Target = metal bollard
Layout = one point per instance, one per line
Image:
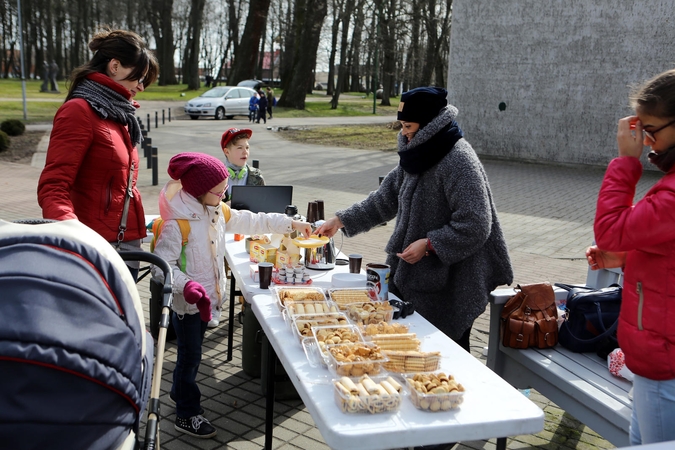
(162, 117)
(143, 146)
(156, 120)
(148, 122)
(255, 163)
(155, 165)
(169, 114)
(140, 124)
(147, 154)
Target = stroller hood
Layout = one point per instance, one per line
(73, 348)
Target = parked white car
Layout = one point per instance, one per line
(220, 102)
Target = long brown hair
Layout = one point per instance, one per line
(656, 96)
(125, 46)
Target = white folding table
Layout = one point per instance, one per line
(491, 409)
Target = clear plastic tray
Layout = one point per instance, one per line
(355, 360)
(309, 307)
(412, 361)
(384, 328)
(381, 400)
(434, 399)
(345, 296)
(282, 294)
(398, 341)
(369, 312)
(302, 324)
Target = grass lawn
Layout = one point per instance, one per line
(368, 137)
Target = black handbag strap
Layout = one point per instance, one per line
(608, 332)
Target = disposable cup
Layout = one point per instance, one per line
(355, 263)
(265, 272)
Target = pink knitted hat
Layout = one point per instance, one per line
(197, 172)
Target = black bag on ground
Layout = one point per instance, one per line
(156, 311)
(592, 319)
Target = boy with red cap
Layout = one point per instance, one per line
(236, 150)
(195, 193)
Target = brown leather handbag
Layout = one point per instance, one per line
(529, 318)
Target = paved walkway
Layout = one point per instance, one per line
(546, 212)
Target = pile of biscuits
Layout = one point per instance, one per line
(309, 307)
(370, 312)
(367, 395)
(355, 360)
(435, 391)
(336, 335)
(304, 323)
(344, 297)
(392, 342)
(300, 294)
(410, 361)
(384, 328)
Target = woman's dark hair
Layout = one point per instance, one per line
(655, 97)
(125, 46)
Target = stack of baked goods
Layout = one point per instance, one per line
(382, 394)
(411, 361)
(355, 360)
(434, 391)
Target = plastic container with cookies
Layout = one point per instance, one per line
(384, 328)
(355, 360)
(345, 296)
(434, 391)
(411, 361)
(283, 294)
(378, 394)
(310, 307)
(338, 334)
(302, 324)
(369, 312)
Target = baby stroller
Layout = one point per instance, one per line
(75, 358)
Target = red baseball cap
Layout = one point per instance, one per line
(231, 133)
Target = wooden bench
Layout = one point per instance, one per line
(580, 383)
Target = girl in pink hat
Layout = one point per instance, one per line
(194, 194)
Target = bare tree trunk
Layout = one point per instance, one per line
(388, 33)
(311, 21)
(159, 14)
(355, 50)
(292, 31)
(412, 70)
(342, 70)
(335, 28)
(246, 55)
(191, 64)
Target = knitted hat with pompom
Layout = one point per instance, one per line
(197, 172)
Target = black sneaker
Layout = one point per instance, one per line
(196, 426)
(201, 410)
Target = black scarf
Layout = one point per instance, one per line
(663, 160)
(110, 104)
(430, 152)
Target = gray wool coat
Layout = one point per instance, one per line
(451, 204)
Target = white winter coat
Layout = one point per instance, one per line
(205, 249)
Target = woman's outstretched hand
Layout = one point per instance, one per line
(329, 227)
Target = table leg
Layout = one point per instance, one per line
(269, 401)
(230, 326)
(501, 443)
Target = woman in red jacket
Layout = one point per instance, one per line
(92, 157)
(640, 238)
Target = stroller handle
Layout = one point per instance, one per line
(152, 259)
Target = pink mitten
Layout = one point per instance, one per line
(204, 306)
(193, 292)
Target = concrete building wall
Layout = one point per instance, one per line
(562, 71)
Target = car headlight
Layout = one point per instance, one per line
(206, 105)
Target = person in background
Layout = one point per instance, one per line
(253, 107)
(270, 100)
(195, 193)
(262, 107)
(447, 251)
(92, 157)
(640, 238)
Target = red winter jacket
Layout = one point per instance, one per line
(646, 231)
(87, 170)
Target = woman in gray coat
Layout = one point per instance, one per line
(447, 251)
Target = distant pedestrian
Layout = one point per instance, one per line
(53, 73)
(270, 100)
(45, 77)
(253, 108)
(262, 107)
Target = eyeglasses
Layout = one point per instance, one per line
(219, 194)
(651, 134)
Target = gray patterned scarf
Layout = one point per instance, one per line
(109, 104)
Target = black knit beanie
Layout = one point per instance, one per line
(421, 105)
